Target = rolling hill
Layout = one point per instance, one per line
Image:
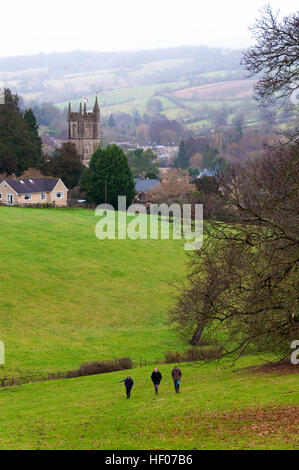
(68, 297)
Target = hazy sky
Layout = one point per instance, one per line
(31, 26)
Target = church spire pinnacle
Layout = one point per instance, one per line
(69, 110)
(96, 108)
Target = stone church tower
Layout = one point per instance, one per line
(84, 130)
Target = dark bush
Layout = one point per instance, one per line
(203, 354)
(172, 357)
(101, 367)
(194, 354)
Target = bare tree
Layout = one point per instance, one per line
(244, 281)
(275, 55)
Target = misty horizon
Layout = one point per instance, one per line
(133, 26)
(121, 51)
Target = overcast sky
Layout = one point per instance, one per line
(31, 26)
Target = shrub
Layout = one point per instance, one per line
(194, 354)
(173, 356)
(203, 354)
(101, 367)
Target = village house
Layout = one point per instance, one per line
(143, 188)
(33, 191)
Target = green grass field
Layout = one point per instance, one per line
(216, 409)
(120, 96)
(67, 297)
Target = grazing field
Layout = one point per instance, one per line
(67, 297)
(216, 409)
(136, 97)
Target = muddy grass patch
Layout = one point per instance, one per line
(267, 427)
(253, 424)
(280, 368)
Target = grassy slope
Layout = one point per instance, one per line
(217, 408)
(67, 297)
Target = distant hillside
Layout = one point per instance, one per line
(191, 83)
(76, 61)
(58, 77)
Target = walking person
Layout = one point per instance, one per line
(176, 376)
(128, 384)
(156, 379)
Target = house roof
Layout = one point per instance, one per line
(32, 185)
(142, 184)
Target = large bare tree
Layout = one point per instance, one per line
(244, 281)
(275, 56)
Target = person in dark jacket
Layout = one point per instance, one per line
(156, 379)
(128, 384)
(176, 377)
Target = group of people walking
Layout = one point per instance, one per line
(156, 377)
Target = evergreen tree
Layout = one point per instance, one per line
(154, 105)
(144, 163)
(65, 164)
(109, 175)
(18, 143)
(212, 160)
(182, 160)
(137, 118)
(34, 136)
(84, 180)
(210, 154)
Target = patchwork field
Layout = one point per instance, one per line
(218, 408)
(67, 297)
(231, 90)
(179, 100)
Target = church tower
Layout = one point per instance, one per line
(84, 130)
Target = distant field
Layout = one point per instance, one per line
(218, 408)
(129, 95)
(186, 103)
(218, 73)
(213, 103)
(236, 89)
(114, 78)
(67, 297)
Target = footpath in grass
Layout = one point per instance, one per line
(216, 409)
